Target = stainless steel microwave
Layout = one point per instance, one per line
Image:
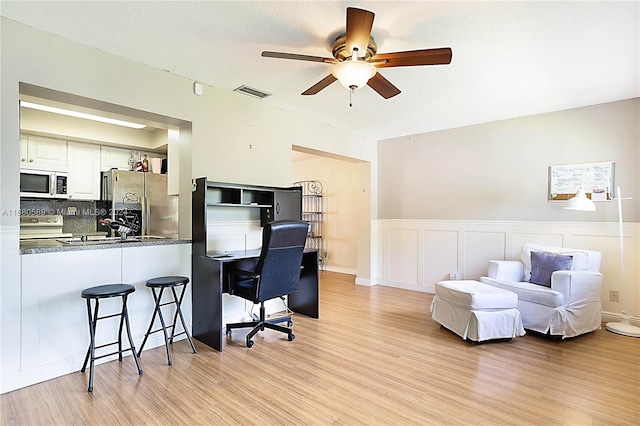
(43, 184)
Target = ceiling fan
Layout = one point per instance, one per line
(355, 58)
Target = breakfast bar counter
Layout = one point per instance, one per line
(57, 245)
(51, 319)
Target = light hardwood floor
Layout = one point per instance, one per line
(374, 357)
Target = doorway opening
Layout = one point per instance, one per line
(346, 200)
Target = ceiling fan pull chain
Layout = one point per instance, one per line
(350, 95)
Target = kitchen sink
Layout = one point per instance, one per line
(89, 240)
(92, 239)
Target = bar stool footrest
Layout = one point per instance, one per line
(114, 353)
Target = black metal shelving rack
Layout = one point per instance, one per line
(313, 212)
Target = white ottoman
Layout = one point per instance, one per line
(477, 311)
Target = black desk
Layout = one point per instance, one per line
(209, 277)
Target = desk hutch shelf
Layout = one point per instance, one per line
(210, 272)
(275, 203)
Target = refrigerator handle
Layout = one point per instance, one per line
(145, 216)
(104, 187)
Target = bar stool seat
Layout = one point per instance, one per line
(104, 292)
(162, 283)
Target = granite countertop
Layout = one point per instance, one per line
(53, 246)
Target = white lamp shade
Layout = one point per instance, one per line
(581, 202)
(353, 74)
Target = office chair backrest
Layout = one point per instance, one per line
(280, 259)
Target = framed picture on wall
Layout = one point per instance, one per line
(597, 180)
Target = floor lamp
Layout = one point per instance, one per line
(581, 202)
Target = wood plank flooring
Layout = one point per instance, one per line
(374, 357)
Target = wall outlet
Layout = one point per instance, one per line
(614, 296)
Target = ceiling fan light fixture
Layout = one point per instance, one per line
(355, 70)
(353, 74)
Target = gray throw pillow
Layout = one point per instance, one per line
(544, 264)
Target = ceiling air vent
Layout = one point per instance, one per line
(250, 91)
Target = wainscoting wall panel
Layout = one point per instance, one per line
(440, 255)
(479, 248)
(535, 238)
(402, 256)
(416, 254)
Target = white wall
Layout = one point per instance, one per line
(232, 138)
(498, 171)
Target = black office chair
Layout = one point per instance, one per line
(276, 274)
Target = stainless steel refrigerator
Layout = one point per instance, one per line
(139, 197)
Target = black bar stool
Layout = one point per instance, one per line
(162, 283)
(103, 292)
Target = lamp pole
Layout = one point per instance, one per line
(622, 327)
(581, 202)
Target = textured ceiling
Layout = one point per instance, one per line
(510, 59)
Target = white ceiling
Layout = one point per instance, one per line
(510, 59)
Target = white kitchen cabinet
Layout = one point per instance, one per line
(84, 171)
(114, 158)
(41, 153)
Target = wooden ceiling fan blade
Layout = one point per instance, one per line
(320, 85)
(359, 24)
(383, 86)
(280, 55)
(441, 56)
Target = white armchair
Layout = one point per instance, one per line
(570, 306)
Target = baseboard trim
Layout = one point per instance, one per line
(615, 317)
(340, 270)
(364, 282)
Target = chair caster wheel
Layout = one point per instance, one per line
(229, 332)
(291, 336)
(249, 343)
(289, 323)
